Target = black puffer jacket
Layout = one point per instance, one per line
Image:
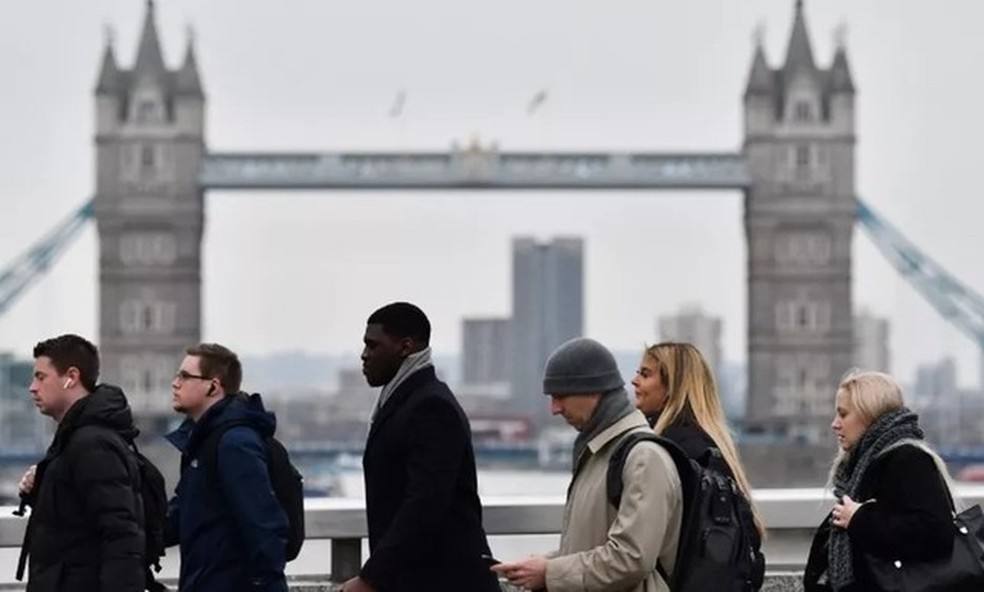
(85, 533)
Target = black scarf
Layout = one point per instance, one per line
(613, 406)
(889, 429)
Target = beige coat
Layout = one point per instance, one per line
(604, 550)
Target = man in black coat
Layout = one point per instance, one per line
(422, 504)
(85, 533)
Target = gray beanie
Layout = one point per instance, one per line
(581, 366)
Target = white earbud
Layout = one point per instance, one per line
(68, 383)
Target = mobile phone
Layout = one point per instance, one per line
(490, 560)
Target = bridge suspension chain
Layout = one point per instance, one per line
(954, 301)
(35, 262)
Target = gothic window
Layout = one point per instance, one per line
(148, 158)
(802, 316)
(803, 111)
(803, 248)
(148, 248)
(147, 316)
(803, 156)
(146, 373)
(802, 384)
(147, 111)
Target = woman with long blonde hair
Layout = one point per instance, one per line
(675, 389)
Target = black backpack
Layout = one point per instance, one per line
(154, 495)
(287, 482)
(719, 549)
(150, 485)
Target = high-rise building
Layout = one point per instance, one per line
(548, 309)
(486, 351)
(692, 325)
(871, 342)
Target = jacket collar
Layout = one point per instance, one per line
(633, 420)
(401, 394)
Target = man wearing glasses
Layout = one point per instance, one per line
(231, 529)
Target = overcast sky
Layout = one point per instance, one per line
(300, 271)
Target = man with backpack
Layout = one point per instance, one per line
(603, 547)
(86, 529)
(226, 517)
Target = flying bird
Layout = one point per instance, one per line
(397, 109)
(536, 102)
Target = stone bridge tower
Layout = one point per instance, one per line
(149, 209)
(799, 220)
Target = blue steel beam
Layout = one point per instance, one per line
(954, 301)
(474, 169)
(32, 264)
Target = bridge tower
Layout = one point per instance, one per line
(149, 209)
(799, 220)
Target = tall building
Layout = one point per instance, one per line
(486, 351)
(692, 325)
(548, 309)
(149, 143)
(799, 220)
(871, 342)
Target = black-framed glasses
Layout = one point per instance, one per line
(182, 375)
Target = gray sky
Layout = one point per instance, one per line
(302, 270)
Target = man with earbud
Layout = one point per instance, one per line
(85, 532)
(225, 517)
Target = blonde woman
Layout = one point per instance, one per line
(892, 498)
(675, 389)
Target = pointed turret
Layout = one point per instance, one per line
(187, 81)
(150, 60)
(799, 55)
(840, 73)
(110, 79)
(761, 80)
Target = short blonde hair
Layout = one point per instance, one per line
(871, 394)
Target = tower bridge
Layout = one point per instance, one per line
(795, 169)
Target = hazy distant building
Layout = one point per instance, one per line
(871, 342)
(21, 426)
(485, 345)
(548, 309)
(937, 381)
(692, 325)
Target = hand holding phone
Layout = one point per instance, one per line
(490, 560)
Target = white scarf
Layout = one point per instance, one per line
(411, 364)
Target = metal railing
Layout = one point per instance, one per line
(791, 515)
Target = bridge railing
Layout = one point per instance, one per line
(791, 515)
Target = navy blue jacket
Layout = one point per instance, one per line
(230, 527)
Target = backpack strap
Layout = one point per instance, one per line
(209, 456)
(687, 470)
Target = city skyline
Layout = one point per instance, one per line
(628, 236)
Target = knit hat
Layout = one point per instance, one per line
(581, 366)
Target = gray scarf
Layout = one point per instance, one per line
(613, 406)
(410, 365)
(887, 430)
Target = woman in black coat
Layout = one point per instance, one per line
(893, 502)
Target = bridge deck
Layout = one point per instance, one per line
(471, 169)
